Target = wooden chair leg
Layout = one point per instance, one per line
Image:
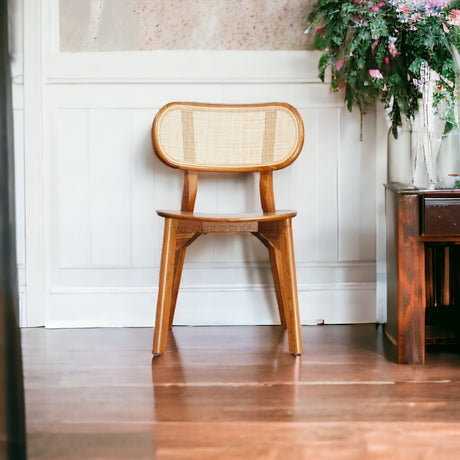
(277, 278)
(178, 265)
(165, 286)
(289, 289)
(270, 242)
(280, 244)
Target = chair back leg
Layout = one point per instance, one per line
(178, 265)
(275, 264)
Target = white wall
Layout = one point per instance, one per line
(92, 239)
(18, 114)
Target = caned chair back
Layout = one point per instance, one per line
(234, 138)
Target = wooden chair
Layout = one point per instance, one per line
(228, 138)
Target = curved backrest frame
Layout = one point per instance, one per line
(175, 133)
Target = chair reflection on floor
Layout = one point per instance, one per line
(240, 384)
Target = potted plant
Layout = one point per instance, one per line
(377, 50)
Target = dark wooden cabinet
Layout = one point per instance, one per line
(423, 265)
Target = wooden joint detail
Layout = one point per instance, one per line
(183, 241)
(267, 196)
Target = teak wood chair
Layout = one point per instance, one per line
(199, 138)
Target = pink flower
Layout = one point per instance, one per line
(375, 73)
(387, 60)
(320, 30)
(392, 49)
(404, 9)
(454, 18)
(339, 63)
(380, 4)
(445, 28)
(375, 8)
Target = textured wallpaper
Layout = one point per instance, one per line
(119, 25)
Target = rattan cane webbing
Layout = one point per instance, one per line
(247, 136)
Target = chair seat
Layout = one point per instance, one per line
(230, 218)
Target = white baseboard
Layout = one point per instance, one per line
(135, 307)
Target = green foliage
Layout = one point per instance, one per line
(375, 48)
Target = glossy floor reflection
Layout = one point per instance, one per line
(234, 393)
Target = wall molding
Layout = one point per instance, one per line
(304, 287)
(261, 265)
(76, 306)
(32, 311)
(381, 179)
(173, 67)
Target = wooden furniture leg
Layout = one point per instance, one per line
(178, 265)
(183, 240)
(289, 289)
(405, 278)
(280, 244)
(165, 287)
(411, 273)
(277, 282)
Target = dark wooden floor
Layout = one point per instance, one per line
(235, 393)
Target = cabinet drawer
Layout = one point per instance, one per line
(441, 216)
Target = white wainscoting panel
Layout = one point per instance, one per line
(103, 238)
(88, 184)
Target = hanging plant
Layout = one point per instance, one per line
(375, 50)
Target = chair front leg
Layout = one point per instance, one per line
(289, 289)
(278, 239)
(165, 287)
